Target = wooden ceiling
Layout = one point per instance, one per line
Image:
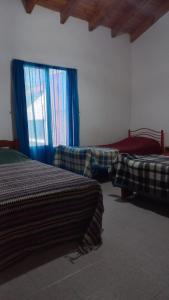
(121, 16)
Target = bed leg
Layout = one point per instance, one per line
(125, 193)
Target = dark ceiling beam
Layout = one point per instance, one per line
(147, 22)
(141, 28)
(102, 12)
(118, 20)
(113, 33)
(29, 5)
(98, 18)
(122, 10)
(128, 14)
(67, 10)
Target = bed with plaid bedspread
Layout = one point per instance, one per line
(41, 205)
(144, 174)
(85, 160)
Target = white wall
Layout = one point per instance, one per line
(103, 66)
(150, 78)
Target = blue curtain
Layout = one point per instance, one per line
(46, 108)
(73, 107)
(19, 105)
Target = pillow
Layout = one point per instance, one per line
(8, 156)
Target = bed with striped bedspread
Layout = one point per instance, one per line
(41, 205)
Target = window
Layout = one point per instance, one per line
(46, 105)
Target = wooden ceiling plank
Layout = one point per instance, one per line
(67, 10)
(148, 22)
(128, 15)
(100, 15)
(118, 20)
(141, 29)
(29, 5)
(121, 16)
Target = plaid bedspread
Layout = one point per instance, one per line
(86, 160)
(146, 174)
(41, 205)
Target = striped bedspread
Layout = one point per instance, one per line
(41, 205)
(85, 160)
(147, 174)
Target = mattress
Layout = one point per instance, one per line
(41, 205)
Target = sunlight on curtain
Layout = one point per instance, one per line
(46, 106)
(57, 79)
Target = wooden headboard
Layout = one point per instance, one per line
(150, 133)
(9, 144)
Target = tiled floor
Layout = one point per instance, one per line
(132, 264)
